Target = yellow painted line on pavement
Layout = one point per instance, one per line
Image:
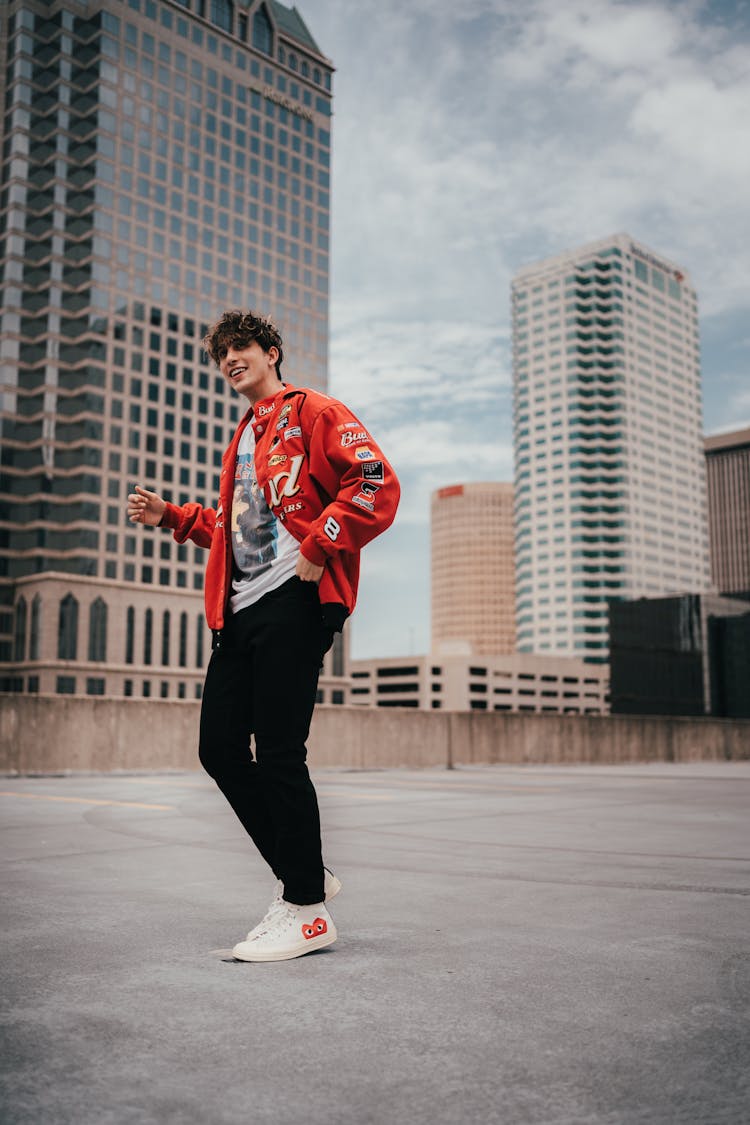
(86, 801)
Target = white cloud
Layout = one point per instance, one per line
(697, 121)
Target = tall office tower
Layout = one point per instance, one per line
(610, 488)
(162, 161)
(473, 598)
(728, 468)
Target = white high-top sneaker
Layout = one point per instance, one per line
(292, 932)
(331, 887)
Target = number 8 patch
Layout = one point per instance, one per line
(332, 528)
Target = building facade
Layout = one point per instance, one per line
(472, 569)
(610, 488)
(520, 682)
(162, 161)
(728, 470)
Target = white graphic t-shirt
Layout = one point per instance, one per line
(265, 554)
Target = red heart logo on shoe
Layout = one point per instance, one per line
(314, 929)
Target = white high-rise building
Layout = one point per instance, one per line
(610, 489)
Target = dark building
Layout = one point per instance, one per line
(728, 475)
(687, 655)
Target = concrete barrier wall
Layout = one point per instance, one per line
(48, 734)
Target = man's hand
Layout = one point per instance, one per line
(307, 571)
(145, 507)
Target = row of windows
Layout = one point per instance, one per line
(201, 178)
(276, 253)
(560, 681)
(97, 685)
(27, 634)
(298, 232)
(202, 105)
(482, 705)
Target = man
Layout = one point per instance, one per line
(303, 487)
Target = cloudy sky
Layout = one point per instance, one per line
(471, 138)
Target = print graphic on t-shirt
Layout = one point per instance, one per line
(254, 528)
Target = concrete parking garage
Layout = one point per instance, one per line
(517, 945)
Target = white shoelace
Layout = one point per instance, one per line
(277, 905)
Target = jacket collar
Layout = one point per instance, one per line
(265, 408)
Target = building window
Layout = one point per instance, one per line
(66, 685)
(129, 635)
(262, 31)
(337, 696)
(222, 14)
(98, 633)
(406, 670)
(165, 625)
(36, 618)
(183, 640)
(148, 636)
(94, 686)
(19, 630)
(67, 630)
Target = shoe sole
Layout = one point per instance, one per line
(249, 954)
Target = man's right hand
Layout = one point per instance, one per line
(145, 507)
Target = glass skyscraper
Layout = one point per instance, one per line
(610, 485)
(162, 161)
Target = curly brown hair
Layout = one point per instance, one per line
(238, 329)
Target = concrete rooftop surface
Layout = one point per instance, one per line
(516, 945)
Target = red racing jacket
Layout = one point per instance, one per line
(323, 477)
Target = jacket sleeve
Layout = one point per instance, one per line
(190, 521)
(362, 489)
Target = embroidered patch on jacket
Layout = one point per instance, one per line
(373, 471)
(354, 437)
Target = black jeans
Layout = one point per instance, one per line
(262, 680)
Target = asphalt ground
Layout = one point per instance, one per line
(516, 945)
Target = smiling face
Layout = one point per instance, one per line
(250, 371)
